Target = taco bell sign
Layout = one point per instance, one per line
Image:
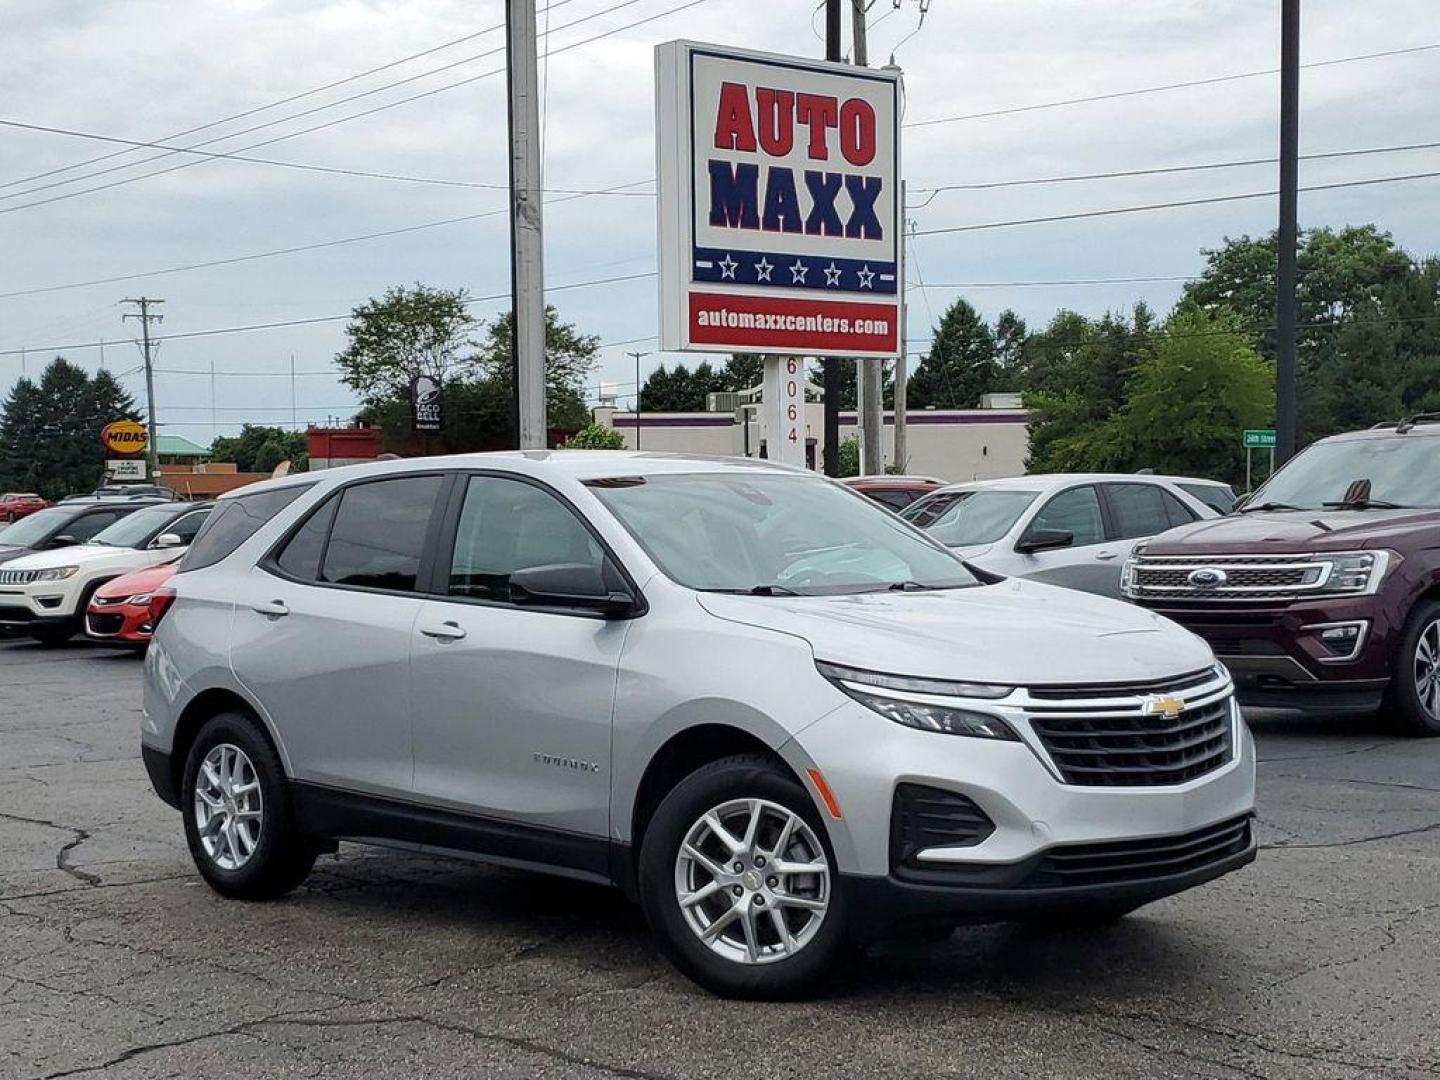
(779, 204)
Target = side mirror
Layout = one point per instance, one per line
(570, 585)
(1240, 503)
(1044, 540)
(168, 540)
(63, 540)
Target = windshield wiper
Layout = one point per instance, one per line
(910, 586)
(757, 590)
(1269, 506)
(1365, 504)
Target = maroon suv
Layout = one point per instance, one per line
(1323, 591)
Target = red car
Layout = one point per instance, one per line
(15, 505)
(120, 610)
(895, 492)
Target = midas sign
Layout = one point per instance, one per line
(125, 437)
(779, 204)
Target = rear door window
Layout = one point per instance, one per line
(378, 538)
(301, 555)
(234, 521)
(1217, 496)
(87, 525)
(1137, 509)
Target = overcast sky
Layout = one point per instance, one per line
(147, 69)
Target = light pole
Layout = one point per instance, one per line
(637, 356)
(1286, 412)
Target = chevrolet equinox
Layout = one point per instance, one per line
(768, 709)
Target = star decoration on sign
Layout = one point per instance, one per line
(832, 274)
(727, 267)
(798, 272)
(867, 277)
(762, 269)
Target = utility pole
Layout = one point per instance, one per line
(869, 374)
(637, 356)
(294, 424)
(1285, 406)
(901, 451)
(831, 365)
(527, 278)
(146, 317)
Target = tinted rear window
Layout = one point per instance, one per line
(379, 533)
(234, 521)
(1217, 496)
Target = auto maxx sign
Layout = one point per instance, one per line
(779, 204)
(125, 437)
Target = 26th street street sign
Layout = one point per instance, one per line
(1258, 438)
(779, 204)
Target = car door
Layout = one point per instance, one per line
(1089, 562)
(513, 704)
(322, 628)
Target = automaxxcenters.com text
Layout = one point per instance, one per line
(792, 323)
(821, 324)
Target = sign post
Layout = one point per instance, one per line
(1257, 439)
(779, 213)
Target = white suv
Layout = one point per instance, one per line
(45, 594)
(763, 705)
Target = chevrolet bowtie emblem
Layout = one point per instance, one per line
(1168, 707)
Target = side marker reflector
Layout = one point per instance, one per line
(826, 795)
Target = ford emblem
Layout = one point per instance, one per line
(1207, 577)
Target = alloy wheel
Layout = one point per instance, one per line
(752, 881)
(229, 809)
(1427, 669)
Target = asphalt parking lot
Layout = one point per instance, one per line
(1321, 960)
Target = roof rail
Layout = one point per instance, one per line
(1419, 418)
(1386, 424)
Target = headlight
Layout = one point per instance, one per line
(1127, 578)
(1353, 571)
(138, 598)
(926, 704)
(58, 573)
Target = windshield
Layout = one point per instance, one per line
(981, 516)
(35, 529)
(136, 529)
(775, 534)
(1403, 470)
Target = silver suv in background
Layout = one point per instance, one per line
(759, 703)
(1070, 529)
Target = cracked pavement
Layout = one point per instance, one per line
(1321, 960)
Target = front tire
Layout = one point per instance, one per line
(238, 817)
(739, 882)
(1413, 699)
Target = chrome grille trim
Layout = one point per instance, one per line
(17, 577)
(1248, 577)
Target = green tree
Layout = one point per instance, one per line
(961, 363)
(259, 448)
(405, 333)
(570, 357)
(50, 430)
(595, 436)
(849, 391)
(742, 371)
(848, 456)
(1010, 335)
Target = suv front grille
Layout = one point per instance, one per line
(1116, 862)
(1157, 735)
(925, 817)
(17, 577)
(1227, 577)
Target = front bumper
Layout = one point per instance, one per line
(1137, 874)
(865, 758)
(49, 602)
(122, 623)
(1277, 658)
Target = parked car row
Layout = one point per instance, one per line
(15, 505)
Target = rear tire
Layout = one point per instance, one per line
(1413, 699)
(239, 821)
(733, 945)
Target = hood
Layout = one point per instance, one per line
(79, 555)
(1301, 531)
(1017, 633)
(138, 581)
(9, 553)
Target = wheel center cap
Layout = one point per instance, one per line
(751, 880)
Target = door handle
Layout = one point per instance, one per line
(1106, 555)
(273, 608)
(446, 631)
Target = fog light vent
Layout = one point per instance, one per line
(1342, 641)
(926, 817)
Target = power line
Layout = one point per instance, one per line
(1160, 170)
(1051, 283)
(296, 249)
(339, 120)
(281, 101)
(1209, 200)
(1168, 86)
(319, 318)
(305, 166)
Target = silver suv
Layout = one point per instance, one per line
(765, 707)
